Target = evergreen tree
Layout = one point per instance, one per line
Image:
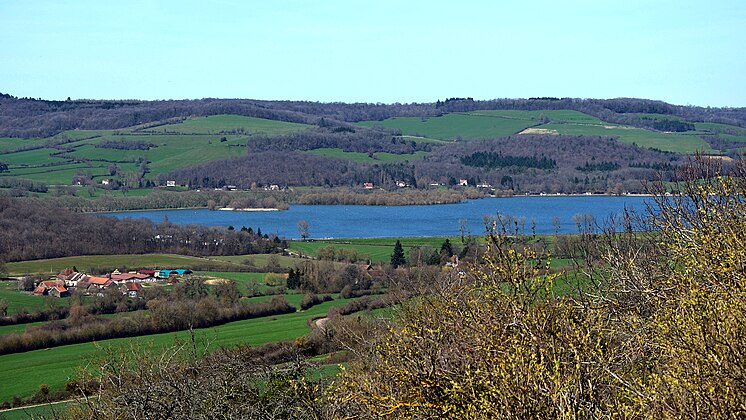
(397, 258)
(447, 248)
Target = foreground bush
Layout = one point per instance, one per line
(662, 335)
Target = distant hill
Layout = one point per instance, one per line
(598, 145)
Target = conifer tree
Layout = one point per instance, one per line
(397, 258)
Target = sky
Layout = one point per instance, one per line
(682, 52)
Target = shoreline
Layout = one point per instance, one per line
(260, 209)
(247, 209)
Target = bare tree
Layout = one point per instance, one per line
(303, 228)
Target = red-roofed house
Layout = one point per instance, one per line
(132, 290)
(99, 283)
(50, 287)
(59, 291)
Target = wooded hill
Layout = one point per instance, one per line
(586, 145)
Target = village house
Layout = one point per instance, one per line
(96, 285)
(59, 291)
(368, 185)
(170, 183)
(463, 182)
(44, 287)
(133, 290)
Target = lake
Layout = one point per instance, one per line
(398, 221)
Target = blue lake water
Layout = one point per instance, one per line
(427, 220)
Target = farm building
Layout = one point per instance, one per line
(175, 272)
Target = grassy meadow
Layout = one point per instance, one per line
(219, 124)
(89, 263)
(378, 250)
(24, 372)
(497, 123)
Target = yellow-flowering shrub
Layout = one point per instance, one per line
(661, 336)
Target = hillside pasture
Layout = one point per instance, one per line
(454, 126)
(669, 142)
(111, 262)
(378, 250)
(230, 124)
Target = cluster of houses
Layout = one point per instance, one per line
(130, 283)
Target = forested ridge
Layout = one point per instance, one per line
(539, 153)
(28, 117)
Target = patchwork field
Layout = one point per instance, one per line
(193, 141)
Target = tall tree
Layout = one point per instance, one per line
(303, 229)
(397, 258)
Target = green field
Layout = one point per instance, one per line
(258, 260)
(497, 123)
(110, 262)
(218, 124)
(672, 142)
(365, 158)
(241, 278)
(454, 126)
(31, 157)
(24, 372)
(194, 141)
(379, 250)
(17, 299)
(41, 411)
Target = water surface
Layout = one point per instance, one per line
(426, 220)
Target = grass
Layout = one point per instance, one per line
(365, 158)
(671, 142)
(17, 299)
(379, 250)
(241, 278)
(41, 411)
(217, 124)
(258, 260)
(9, 144)
(24, 372)
(453, 126)
(31, 157)
(496, 123)
(194, 141)
(110, 262)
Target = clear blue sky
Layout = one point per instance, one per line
(683, 52)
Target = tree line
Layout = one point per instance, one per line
(31, 229)
(29, 117)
